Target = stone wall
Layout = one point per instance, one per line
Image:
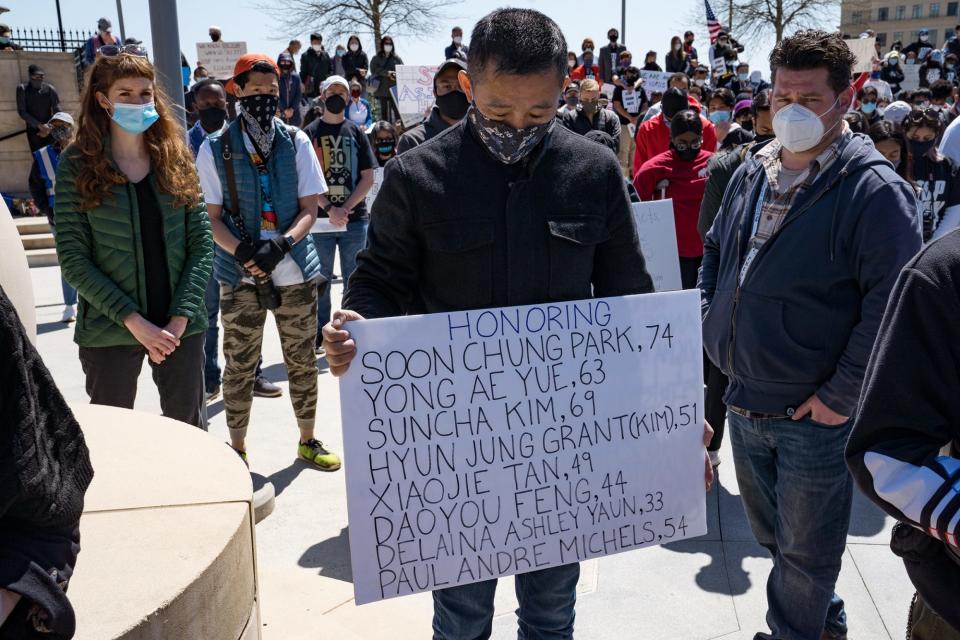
(15, 160)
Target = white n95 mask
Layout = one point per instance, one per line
(798, 128)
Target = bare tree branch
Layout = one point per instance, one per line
(756, 18)
(339, 18)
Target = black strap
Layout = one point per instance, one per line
(234, 210)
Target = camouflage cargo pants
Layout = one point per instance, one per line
(243, 321)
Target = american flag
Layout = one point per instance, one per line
(713, 25)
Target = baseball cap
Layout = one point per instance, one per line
(35, 70)
(335, 80)
(452, 63)
(104, 24)
(63, 116)
(245, 63)
(742, 105)
(896, 112)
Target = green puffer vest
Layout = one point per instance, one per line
(100, 254)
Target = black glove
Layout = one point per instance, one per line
(244, 252)
(270, 252)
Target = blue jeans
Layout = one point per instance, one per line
(546, 600)
(211, 367)
(350, 242)
(797, 493)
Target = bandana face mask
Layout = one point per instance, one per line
(507, 144)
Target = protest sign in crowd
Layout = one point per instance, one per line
(561, 399)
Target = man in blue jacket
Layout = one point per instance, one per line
(797, 268)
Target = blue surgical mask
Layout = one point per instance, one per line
(743, 76)
(135, 118)
(868, 107)
(719, 116)
(874, 75)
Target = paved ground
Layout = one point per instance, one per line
(711, 587)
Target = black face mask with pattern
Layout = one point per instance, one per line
(261, 107)
(507, 144)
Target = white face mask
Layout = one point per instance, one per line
(354, 47)
(457, 39)
(799, 129)
(317, 47)
(387, 48)
(676, 47)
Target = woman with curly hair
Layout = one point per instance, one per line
(133, 237)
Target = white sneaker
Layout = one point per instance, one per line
(714, 457)
(69, 313)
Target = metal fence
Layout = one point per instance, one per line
(55, 40)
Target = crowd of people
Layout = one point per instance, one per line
(802, 206)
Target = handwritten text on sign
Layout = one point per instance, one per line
(493, 442)
(219, 58)
(414, 92)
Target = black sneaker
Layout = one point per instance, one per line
(266, 389)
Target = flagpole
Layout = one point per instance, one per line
(730, 17)
(623, 21)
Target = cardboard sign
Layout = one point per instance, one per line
(911, 77)
(631, 101)
(866, 50)
(219, 58)
(655, 81)
(413, 94)
(658, 241)
(481, 444)
(606, 91)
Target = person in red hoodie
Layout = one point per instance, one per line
(680, 173)
(653, 136)
(588, 69)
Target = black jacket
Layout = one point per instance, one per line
(805, 317)
(454, 229)
(603, 120)
(314, 69)
(37, 106)
(424, 131)
(607, 65)
(721, 169)
(909, 415)
(44, 472)
(353, 61)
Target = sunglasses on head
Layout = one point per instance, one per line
(929, 116)
(111, 50)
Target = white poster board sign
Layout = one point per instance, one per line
(911, 77)
(219, 58)
(866, 50)
(375, 189)
(487, 443)
(655, 81)
(658, 241)
(413, 94)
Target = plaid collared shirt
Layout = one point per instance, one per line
(770, 213)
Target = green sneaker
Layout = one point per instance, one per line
(314, 452)
(242, 454)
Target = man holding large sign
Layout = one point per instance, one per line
(501, 209)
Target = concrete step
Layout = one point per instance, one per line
(42, 257)
(38, 241)
(32, 224)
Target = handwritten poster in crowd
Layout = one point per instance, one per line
(655, 81)
(487, 443)
(413, 94)
(865, 49)
(911, 77)
(219, 58)
(658, 241)
(375, 189)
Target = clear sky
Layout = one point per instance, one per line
(650, 24)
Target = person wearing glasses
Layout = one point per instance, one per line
(935, 175)
(134, 239)
(680, 173)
